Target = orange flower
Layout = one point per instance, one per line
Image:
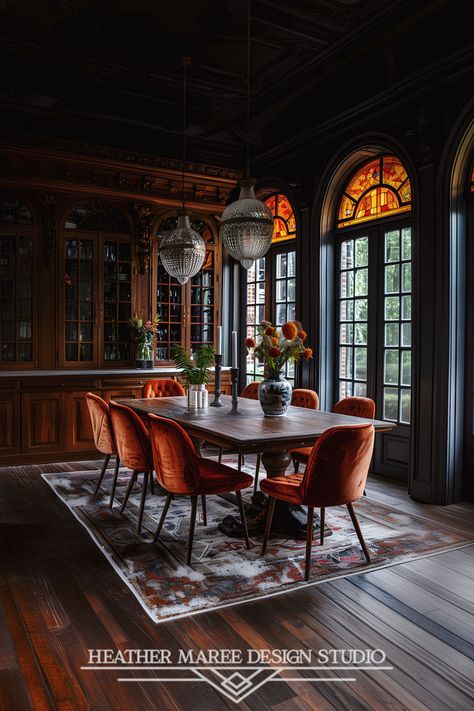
(303, 335)
(274, 352)
(307, 354)
(289, 330)
(275, 341)
(249, 343)
(270, 331)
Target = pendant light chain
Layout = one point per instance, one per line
(247, 165)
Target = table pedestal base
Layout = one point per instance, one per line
(290, 519)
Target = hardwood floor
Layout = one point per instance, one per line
(60, 597)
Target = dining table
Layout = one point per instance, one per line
(247, 430)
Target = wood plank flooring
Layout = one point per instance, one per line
(59, 597)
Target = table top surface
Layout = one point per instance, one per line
(251, 430)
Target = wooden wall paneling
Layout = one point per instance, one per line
(79, 435)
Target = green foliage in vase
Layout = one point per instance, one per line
(196, 369)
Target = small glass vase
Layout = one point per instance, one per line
(144, 356)
(198, 397)
(274, 393)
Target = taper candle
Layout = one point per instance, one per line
(219, 340)
(234, 349)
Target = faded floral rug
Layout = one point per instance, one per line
(224, 572)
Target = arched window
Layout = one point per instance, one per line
(187, 312)
(374, 284)
(271, 282)
(17, 234)
(380, 188)
(96, 268)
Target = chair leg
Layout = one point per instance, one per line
(243, 518)
(268, 523)
(204, 510)
(364, 492)
(221, 450)
(132, 481)
(152, 487)
(358, 531)
(257, 471)
(309, 542)
(240, 462)
(114, 481)
(321, 526)
(142, 500)
(191, 529)
(102, 472)
(162, 517)
(296, 465)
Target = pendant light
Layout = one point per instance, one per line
(182, 251)
(246, 226)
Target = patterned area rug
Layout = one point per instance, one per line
(224, 572)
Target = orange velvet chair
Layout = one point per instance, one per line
(162, 388)
(104, 439)
(300, 397)
(354, 406)
(180, 470)
(335, 475)
(133, 445)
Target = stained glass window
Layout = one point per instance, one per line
(284, 223)
(379, 188)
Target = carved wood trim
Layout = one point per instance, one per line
(145, 218)
(50, 230)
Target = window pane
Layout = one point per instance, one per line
(360, 389)
(280, 314)
(391, 367)
(406, 334)
(260, 268)
(406, 368)
(392, 279)
(406, 277)
(362, 252)
(345, 389)
(347, 310)
(406, 243)
(362, 282)
(392, 246)
(360, 363)
(392, 334)
(347, 254)
(291, 289)
(361, 333)
(406, 308)
(360, 312)
(405, 406)
(345, 362)
(347, 284)
(346, 334)
(281, 290)
(392, 308)
(390, 404)
(281, 262)
(291, 264)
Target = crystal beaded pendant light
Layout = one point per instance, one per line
(182, 251)
(246, 226)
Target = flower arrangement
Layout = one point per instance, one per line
(143, 332)
(275, 348)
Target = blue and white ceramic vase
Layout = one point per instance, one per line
(275, 394)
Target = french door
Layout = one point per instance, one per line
(270, 293)
(373, 353)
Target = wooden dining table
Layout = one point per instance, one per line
(250, 431)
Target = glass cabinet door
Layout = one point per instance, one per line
(169, 299)
(16, 298)
(202, 304)
(117, 273)
(79, 306)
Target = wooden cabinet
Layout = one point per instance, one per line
(9, 419)
(43, 422)
(45, 417)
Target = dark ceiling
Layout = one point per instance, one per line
(108, 72)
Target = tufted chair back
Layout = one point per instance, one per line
(102, 429)
(356, 406)
(250, 391)
(300, 397)
(338, 466)
(174, 457)
(162, 388)
(132, 438)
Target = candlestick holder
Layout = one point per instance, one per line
(217, 382)
(234, 374)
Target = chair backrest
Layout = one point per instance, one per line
(356, 406)
(175, 459)
(301, 397)
(250, 391)
(162, 388)
(102, 429)
(338, 466)
(132, 438)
